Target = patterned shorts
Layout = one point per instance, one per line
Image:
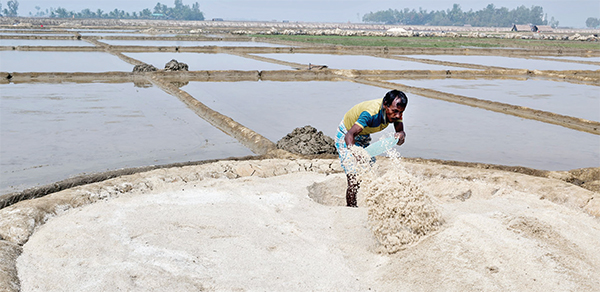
(345, 156)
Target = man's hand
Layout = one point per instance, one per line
(351, 135)
(401, 136)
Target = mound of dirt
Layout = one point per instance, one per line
(307, 141)
(173, 65)
(144, 68)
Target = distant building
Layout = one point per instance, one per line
(521, 27)
(542, 28)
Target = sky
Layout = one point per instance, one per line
(572, 13)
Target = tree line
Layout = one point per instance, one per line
(160, 11)
(592, 22)
(13, 7)
(489, 16)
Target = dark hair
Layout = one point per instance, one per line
(392, 95)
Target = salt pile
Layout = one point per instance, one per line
(399, 211)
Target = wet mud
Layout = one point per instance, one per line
(307, 141)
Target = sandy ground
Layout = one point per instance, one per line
(254, 232)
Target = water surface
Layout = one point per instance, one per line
(29, 61)
(188, 43)
(136, 34)
(102, 30)
(435, 129)
(507, 62)
(589, 59)
(36, 34)
(49, 132)
(203, 61)
(581, 101)
(44, 43)
(356, 62)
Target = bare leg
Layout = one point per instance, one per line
(352, 190)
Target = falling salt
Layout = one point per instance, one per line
(399, 211)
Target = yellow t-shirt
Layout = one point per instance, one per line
(369, 115)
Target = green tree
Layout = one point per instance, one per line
(179, 12)
(86, 13)
(488, 16)
(62, 13)
(456, 16)
(388, 16)
(592, 22)
(160, 8)
(553, 23)
(13, 7)
(178, 4)
(146, 13)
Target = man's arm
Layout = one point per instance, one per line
(400, 134)
(352, 133)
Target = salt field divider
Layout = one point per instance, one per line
(254, 141)
(331, 50)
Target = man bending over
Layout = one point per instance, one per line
(357, 126)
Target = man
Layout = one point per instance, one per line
(362, 120)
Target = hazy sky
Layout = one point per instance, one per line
(571, 13)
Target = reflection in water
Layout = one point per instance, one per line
(142, 83)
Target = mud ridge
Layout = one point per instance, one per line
(254, 141)
(577, 77)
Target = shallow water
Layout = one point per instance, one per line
(507, 62)
(41, 43)
(356, 62)
(137, 34)
(26, 61)
(24, 29)
(435, 129)
(49, 132)
(101, 30)
(188, 43)
(438, 129)
(581, 101)
(589, 59)
(203, 61)
(37, 34)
